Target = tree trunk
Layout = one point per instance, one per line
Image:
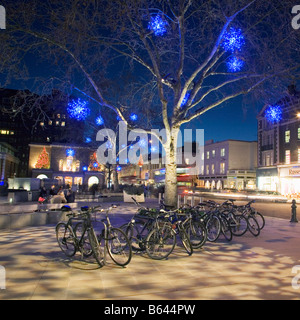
(171, 170)
(115, 179)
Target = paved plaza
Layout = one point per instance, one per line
(245, 268)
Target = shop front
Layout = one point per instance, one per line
(289, 178)
(268, 179)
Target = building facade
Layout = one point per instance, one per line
(229, 164)
(53, 124)
(8, 162)
(279, 145)
(76, 166)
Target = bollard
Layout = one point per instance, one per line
(294, 213)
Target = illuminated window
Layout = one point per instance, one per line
(77, 166)
(222, 152)
(57, 123)
(222, 167)
(299, 133)
(202, 169)
(207, 155)
(207, 169)
(287, 136)
(298, 155)
(12, 132)
(42, 124)
(287, 156)
(61, 165)
(50, 122)
(58, 116)
(213, 153)
(212, 169)
(78, 181)
(63, 124)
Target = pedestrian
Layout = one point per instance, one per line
(70, 196)
(42, 195)
(52, 191)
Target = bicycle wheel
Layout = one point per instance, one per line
(136, 234)
(197, 233)
(82, 236)
(253, 226)
(213, 227)
(65, 239)
(259, 218)
(98, 250)
(185, 240)
(160, 242)
(238, 224)
(118, 246)
(225, 228)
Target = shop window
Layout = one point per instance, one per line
(69, 181)
(78, 181)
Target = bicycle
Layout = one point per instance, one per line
(139, 226)
(87, 243)
(115, 240)
(178, 228)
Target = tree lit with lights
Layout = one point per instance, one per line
(158, 64)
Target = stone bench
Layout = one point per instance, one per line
(27, 208)
(33, 219)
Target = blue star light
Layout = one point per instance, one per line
(85, 168)
(273, 113)
(119, 168)
(99, 121)
(95, 165)
(185, 99)
(133, 117)
(158, 25)
(88, 140)
(78, 110)
(70, 152)
(235, 64)
(233, 40)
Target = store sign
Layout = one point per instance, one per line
(294, 172)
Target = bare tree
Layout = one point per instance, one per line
(170, 60)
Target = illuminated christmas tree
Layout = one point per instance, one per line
(43, 161)
(94, 164)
